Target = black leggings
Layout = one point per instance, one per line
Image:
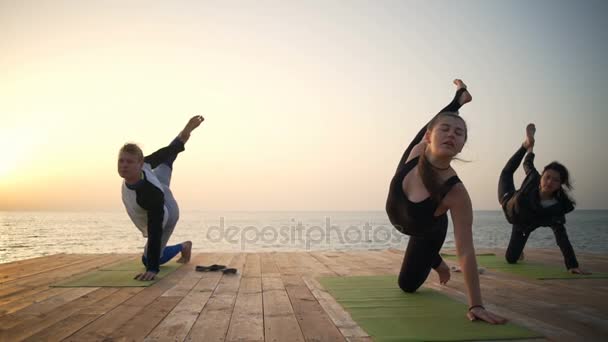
(521, 233)
(506, 185)
(422, 253)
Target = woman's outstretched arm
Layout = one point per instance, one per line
(459, 203)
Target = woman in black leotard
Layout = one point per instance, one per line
(541, 201)
(423, 189)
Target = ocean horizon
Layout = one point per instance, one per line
(29, 234)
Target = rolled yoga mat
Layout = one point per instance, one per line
(117, 275)
(387, 313)
(527, 268)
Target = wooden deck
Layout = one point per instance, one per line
(275, 297)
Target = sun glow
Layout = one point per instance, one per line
(13, 152)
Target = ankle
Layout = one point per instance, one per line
(183, 136)
(465, 96)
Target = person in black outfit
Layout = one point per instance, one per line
(149, 200)
(541, 201)
(423, 189)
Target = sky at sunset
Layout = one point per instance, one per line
(308, 104)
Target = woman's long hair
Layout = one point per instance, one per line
(428, 174)
(564, 176)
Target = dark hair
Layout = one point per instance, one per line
(428, 174)
(564, 177)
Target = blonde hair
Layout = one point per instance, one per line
(133, 149)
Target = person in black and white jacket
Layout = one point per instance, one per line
(149, 201)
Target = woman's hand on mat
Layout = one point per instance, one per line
(577, 270)
(145, 276)
(485, 315)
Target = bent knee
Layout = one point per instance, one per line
(511, 259)
(408, 287)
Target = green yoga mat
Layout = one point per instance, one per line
(129, 265)
(386, 313)
(527, 268)
(117, 275)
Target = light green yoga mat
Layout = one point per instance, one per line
(117, 275)
(387, 313)
(527, 268)
(129, 265)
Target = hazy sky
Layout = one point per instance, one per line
(308, 104)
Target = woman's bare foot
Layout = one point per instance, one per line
(465, 97)
(192, 124)
(186, 252)
(443, 270)
(577, 270)
(529, 142)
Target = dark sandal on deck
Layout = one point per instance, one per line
(211, 268)
(229, 271)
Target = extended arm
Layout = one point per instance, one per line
(461, 210)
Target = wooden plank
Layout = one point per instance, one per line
(280, 322)
(268, 266)
(306, 264)
(317, 268)
(184, 286)
(213, 322)
(76, 321)
(13, 287)
(36, 289)
(284, 266)
(56, 298)
(189, 281)
(180, 320)
(359, 265)
(247, 321)
(8, 322)
(341, 318)
(35, 323)
(395, 256)
(10, 267)
(28, 297)
(330, 260)
(146, 320)
(43, 266)
(252, 267)
(25, 264)
(5, 265)
(104, 326)
(314, 322)
(52, 275)
(381, 262)
(155, 312)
